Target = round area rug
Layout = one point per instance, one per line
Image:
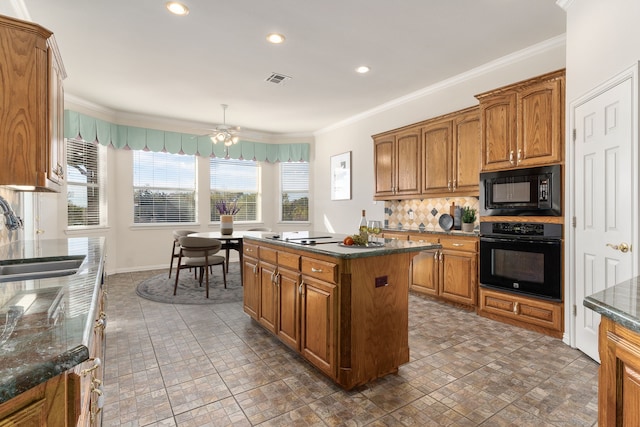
(160, 288)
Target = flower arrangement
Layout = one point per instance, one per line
(225, 208)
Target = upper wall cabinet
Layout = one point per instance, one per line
(396, 157)
(522, 125)
(31, 107)
(451, 154)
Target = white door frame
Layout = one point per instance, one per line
(569, 202)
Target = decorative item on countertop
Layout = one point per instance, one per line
(227, 211)
(362, 227)
(468, 219)
(457, 215)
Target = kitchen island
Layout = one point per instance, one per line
(345, 309)
(619, 351)
(51, 331)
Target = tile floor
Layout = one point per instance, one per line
(186, 365)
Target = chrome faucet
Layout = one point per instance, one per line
(13, 222)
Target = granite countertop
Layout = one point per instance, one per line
(620, 303)
(337, 250)
(474, 233)
(54, 332)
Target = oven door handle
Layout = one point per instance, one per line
(519, 239)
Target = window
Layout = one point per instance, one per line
(235, 181)
(164, 188)
(83, 184)
(294, 188)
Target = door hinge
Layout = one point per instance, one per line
(575, 310)
(574, 221)
(574, 135)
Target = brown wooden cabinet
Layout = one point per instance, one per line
(450, 273)
(619, 375)
(451, 154)
(516, 309)
(335, 312)
(31, 130)
(397, 163)
(251, 280)
(522, 125)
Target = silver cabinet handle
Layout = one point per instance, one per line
(449, 185)
(458, 244)
(519, 155)
(515, 308)
(316, 270)
(300, 287)
(511, 156)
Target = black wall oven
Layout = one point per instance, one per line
(522, 257)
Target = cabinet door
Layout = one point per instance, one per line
(425, 277)
(384, 160)
(318, 324)
(466, 154)
(498, 131)
(437, 146)
(251, 286)
(289, 308)
(540, 123)
(459, 277)
(407, 164)
(619, 376)
(268, 297)
(57, 149)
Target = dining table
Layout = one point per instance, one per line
(231, 241)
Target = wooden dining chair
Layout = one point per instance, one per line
(200, 253)
(177, 234)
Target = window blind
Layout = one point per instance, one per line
(235, 182)
(83, 188)
(164, 187)
(294, 190)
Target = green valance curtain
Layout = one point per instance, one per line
(77, 125)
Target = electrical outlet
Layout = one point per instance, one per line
(410, 214)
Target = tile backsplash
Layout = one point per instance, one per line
(426, 212)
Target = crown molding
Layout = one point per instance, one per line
(487, 68)
(565, 4)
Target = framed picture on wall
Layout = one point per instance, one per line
(341, 176)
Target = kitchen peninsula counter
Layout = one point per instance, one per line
(345, 309)
(54, 333)
(619, 351)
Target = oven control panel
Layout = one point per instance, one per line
(524, 229)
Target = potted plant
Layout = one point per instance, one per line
(226, 211)
(468, 219)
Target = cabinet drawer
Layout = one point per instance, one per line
(250, 250)
(460, 244)
(532, 311)
(322, 270)
(269, 255)
(428, 238)
(394, 235)
(288, 260)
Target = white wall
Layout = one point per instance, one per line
(449, 96)
(603, 39)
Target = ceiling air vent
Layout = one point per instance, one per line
(277, 78)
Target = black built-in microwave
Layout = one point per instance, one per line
(531, 191)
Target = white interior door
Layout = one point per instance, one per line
(604, 194)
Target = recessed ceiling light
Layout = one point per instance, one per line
(275, 38)
(177, 8)
(363, 69)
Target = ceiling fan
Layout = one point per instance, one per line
(224, 133)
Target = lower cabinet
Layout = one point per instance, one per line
(450, 273)
(619, 375)
(530, 313)
(348, 317)
(317, 323)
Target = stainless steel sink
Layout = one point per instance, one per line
(27, 269)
